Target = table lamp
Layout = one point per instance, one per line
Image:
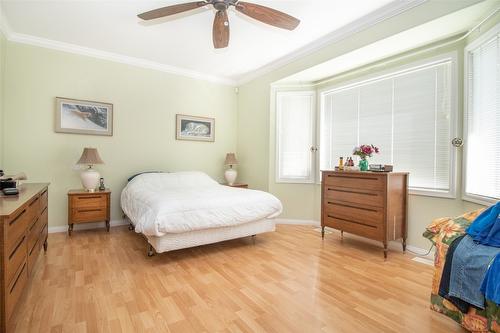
(230, 173)
(90, 177)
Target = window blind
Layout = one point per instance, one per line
(406, 114)
(482, 121)
(295, 136)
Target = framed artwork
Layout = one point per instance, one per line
(195, 128)
(83, 117)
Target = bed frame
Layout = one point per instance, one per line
(171, 242)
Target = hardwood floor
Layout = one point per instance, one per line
(288, 281)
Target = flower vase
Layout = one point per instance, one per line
(363, 164)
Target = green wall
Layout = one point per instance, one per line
(145, 103)
(302, 201)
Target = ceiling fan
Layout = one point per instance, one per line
(220, 32)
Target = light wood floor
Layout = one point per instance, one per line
(288, 281)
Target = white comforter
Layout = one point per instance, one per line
(160, 203)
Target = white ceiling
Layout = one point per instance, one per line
(182, 43)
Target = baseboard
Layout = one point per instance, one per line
(392, 245)
(297, 222)
(87, 226)
(395, 245)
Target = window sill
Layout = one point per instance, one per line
(293, 181)
(433, 193)
(484, 201)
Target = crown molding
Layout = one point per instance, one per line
(119, 58)
(392, 9)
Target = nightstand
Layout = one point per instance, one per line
(86, 207)
(241, 185)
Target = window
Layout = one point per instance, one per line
(482, 119)
(295, 114)
(408, 114)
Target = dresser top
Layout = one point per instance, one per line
(355, 172)
(9, 204)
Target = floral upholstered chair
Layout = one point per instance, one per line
(442, 232)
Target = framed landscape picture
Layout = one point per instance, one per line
(83, 117)
(195, 128)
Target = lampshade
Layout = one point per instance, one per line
(90, 156)
(231, 159)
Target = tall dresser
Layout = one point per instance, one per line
(367, 204)
(23, 233)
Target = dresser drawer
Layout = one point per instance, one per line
(373, 216)
(33, 209)
(33, 254)
(368, 231)
(34, 233)
(15, 259)
(88, 201)
(16, 227)
(44, 233)
(44, 199)
(15, 290)
(89, 214)
(358, 196)
(367, 182)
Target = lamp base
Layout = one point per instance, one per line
(90, 179)
(230, 176)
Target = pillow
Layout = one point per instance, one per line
(185, 179)
(140, 173)
(447, 229)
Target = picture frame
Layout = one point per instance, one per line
(194, 128)
(77, 116)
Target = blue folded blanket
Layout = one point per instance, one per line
(491, 283)
(486, 227)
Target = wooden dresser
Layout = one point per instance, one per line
(23, 233)
(368, 204)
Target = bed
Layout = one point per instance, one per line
(185, 209)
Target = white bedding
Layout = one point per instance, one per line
(161, 203)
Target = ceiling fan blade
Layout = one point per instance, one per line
(172, 10)
(267, 15)
(220, 33)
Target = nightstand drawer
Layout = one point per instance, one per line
(88, 201)
(88, 214)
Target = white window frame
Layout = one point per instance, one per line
(479, 199)
(450, 56)
(308, 92)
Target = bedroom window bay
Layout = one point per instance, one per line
(407, 114)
